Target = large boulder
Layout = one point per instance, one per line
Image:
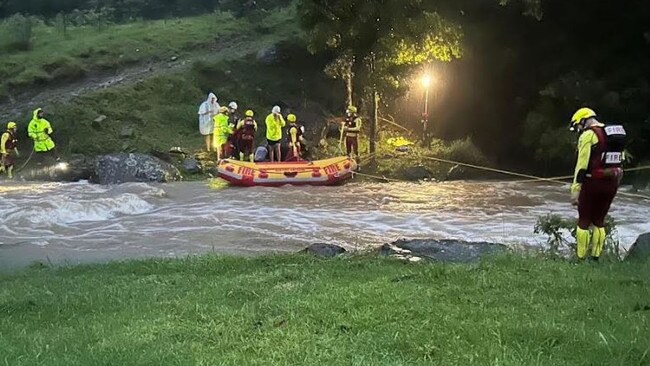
(324, 250)
(441, 250)
(191, 166)
(641, 248)
(415, 173)
(125, 168)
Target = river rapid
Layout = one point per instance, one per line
(81, 222)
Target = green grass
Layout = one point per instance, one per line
(302, 310)
(58, 57)
(162, 108)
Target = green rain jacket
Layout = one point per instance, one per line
(39, 130)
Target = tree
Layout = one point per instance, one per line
(378, 43)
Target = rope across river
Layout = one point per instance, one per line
(530, 178)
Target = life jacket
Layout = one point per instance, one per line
(298, 134)
(248, 129)
(607, 155)
(12, 141)
(350, 122)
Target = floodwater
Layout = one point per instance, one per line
(81, 222)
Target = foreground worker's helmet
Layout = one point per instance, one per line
(291, 118)
(232, 105)
(249, 113)
(276, 110)
(223, 109)
(580, 116)
(352, 109)
(11, 125)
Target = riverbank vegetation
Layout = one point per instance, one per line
(298, 309)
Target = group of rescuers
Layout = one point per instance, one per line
(230, 136)
(39, 130)
(597, 176)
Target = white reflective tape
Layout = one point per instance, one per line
(613, 158)
(614, 130)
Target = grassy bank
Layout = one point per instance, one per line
(303, 310)
(159, 111)
(57, 56)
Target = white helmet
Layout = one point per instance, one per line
(276, 110)
(232, 105)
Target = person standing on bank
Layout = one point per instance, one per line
(351, 130)
(40, 130)
(598, 173)
(9, 149)
(207, 111)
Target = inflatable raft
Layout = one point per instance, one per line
(315, 173)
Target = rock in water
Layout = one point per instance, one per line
(416, 173)
(325, 250)
(124, 168)
(641, 248)
(441, 250)
(191, 166)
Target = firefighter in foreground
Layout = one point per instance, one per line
(294, 136)
(9, 149)
(597, 176)
(351, 130)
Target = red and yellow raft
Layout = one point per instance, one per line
(315, 173)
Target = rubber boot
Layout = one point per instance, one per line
(582, 242)
(251, 157)
(10, 172)
(598, 242)
(241, 156)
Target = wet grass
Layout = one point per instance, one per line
(161, 110)
(55, 56)
(302, 310)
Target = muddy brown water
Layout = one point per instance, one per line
(81, 222)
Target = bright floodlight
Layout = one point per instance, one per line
(426, 81)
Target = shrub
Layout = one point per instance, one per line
(557, 228)
(465, 151)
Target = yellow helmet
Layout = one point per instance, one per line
(11, 125)
(291, 118)
(352, 109)
(580, 115)
(223, 109)
(249, 113)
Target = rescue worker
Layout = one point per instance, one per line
(9, 146)
(222, 130)
(598, 173)
(40, 130)
(233, 119)
(207, 111)
(246, 129)
(274, 124)
(294, 136)
(352, 129)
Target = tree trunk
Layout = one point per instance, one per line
(374, 122)
(348, 85)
